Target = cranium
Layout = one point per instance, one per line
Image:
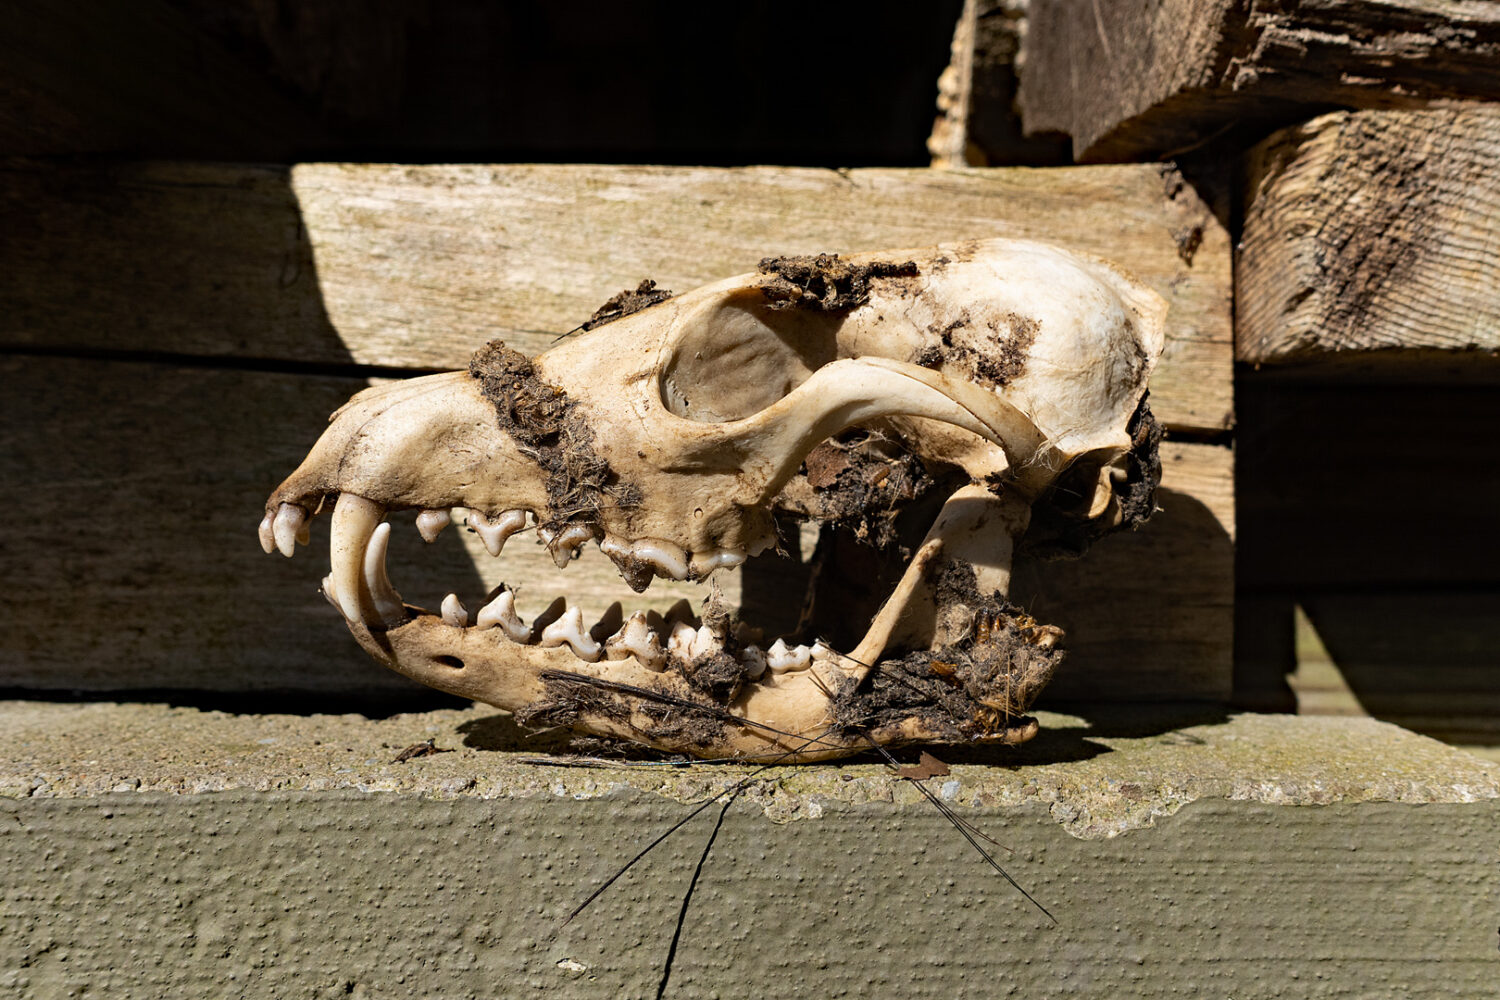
(936, 409)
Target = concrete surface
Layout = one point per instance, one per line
(155, 851)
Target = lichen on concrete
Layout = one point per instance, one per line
(1096, 775)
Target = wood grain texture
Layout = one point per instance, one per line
(1141, 79)
(1372, 231)
(138, 565)
(414, 267)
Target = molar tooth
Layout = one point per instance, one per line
(754, 661)
(637, 639)
(267, 534)
(569, 629)
(502, 612)
(781, 659)
(704, 563)
(567, 542)
(682, 641)
(387, 602)
(431, 522)
(705, 641)
(454, 612)
(289, 528)
(494, 533)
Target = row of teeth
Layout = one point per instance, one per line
(289, 527)
(639, 636)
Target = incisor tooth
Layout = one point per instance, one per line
(267, 535)
(502, 612)
(637, 639)
(289, 528)
(454, 612)
(569, 629)
(494, 533)
(781, 659)
(431, 522)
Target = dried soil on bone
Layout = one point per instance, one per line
(981, 684)
(546, 423)
(824, 282)
(1000, 357)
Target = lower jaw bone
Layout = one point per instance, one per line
(812, 709)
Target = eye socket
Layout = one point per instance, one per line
(736, 356)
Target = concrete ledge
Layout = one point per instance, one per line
(158, 851)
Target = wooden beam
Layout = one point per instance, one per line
(1146, 79)
(139, 485)
(1373, 232)
(415, 267)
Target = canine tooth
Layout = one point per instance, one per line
(502, 612)
(454, 612)
(494, 533)
(431, 522)
(704, 563)
(781, 659)
(267, 535)
(668, 560)
(754, 661)
(354, 522)
(289, 528)
(637, 639)
(387, 602)
(569, 629)
(567, 542)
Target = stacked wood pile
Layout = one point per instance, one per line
(1359, 140)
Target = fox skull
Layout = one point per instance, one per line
(942, 407)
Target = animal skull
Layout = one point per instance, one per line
(941, 407)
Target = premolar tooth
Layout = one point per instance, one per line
(754, 661)
(267, 534)
(705, 641)
(704, 563)
(569, 629)
(567, 541)
(494, 533)
(502, 612)
(454, 612)
(387, 602)
(289, 528)
(431, 522)
(637, 639)
(668, 560)
(781, 659)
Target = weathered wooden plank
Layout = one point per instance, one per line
(141, 484)
(1372, 231)
(980, 125)
(416, 266)
(1141, 79)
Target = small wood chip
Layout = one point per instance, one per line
(927, 766)
(423, 750)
